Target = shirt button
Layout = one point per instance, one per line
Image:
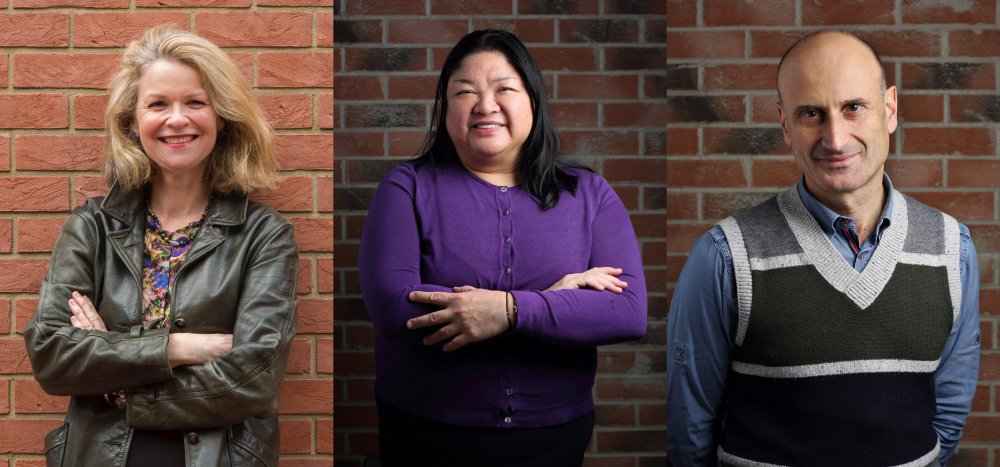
(192, 437)
(180, 323)
(509, 392)
(503, 189)
(508, 270)
(506, 239)
(506, 419)
(506, 212)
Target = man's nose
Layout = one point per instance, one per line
(836, 133)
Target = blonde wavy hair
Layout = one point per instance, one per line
(243, 159)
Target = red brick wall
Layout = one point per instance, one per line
(725, 149)
(603, 62)
(55, 59)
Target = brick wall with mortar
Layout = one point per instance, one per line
(55, 59)
(603, 61)
(725, 149)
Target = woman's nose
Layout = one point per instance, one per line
(176, 116)
(486, 105)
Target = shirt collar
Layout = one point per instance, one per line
(829, 220)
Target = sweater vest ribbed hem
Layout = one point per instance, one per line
(927, 460)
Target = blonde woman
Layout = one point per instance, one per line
(169, 304)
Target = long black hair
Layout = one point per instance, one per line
(540, 167)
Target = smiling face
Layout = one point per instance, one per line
(174, 118)
(835, 115)
(489, 112)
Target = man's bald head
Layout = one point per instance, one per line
(817, 41)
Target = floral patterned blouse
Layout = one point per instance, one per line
(165, 251)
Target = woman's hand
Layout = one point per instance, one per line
(602, 278)
(468, 315)
(188, 348)
(183, 348)
(84, 314)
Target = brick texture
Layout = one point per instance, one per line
(725, 150)
(55, 60)
(604, 67)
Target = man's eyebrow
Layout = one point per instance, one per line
(857, 100)
(803, 108)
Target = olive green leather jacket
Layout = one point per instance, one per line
(239, 277)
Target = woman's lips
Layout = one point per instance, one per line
(178, 141)
(486, 128)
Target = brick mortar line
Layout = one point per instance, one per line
(903, 93)
(445, 46)
(696, 60)
(863, 28)
(503, 16)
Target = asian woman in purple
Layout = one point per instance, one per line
(491, 268)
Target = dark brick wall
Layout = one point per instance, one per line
(604, 64)
(725, 149)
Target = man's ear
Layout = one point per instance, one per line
(891, 109)
(782, 118)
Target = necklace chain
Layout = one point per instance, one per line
(154, 222)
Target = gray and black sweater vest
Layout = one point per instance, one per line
(832, 366)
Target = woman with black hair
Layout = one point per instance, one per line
(470, 268)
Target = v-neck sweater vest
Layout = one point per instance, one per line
(833, 366)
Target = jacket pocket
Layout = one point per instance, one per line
(246, 450)
(55, 446)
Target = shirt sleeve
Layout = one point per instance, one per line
(586, 317)
(389, 261)
(701, 329)
(955, 378)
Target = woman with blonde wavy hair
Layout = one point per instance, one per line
(169, 304)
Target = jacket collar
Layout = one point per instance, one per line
(128, 205)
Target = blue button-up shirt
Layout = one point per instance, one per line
(701, 332)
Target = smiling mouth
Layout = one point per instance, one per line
(838, 157)
(177, 139)
(487, 126)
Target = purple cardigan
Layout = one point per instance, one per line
(431, 228)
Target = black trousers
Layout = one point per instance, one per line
(156, 449)
(407, 440)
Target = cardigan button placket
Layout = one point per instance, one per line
(506, 283)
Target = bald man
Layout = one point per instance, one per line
(836, 323)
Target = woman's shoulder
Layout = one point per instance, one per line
(94, 210)
(259, 212)
(588, 181)
(411, 174)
